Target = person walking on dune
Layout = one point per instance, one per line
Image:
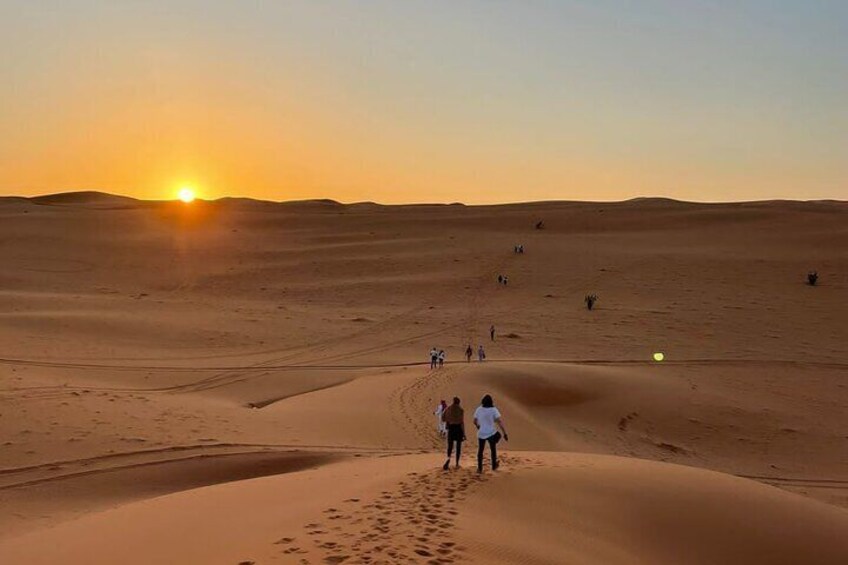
(468, 353)
(434, 357)
(441, 427)
(454, 418)
(481, 354)
(492, 332)
(442, 356)
(487, 419)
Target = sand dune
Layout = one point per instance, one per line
(615, 510)
(88, 198)
(546, 508)
(243, 381)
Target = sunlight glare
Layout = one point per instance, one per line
(186, 194)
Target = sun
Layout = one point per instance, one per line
(186, 194)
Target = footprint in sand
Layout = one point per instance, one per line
(426, 504)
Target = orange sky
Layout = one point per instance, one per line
(420, 102)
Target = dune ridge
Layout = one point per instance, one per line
(240, 381)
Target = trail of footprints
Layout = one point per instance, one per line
(415, 523)
(414, 409)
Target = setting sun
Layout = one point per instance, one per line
(186, 194)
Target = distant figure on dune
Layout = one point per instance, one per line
(505, 280)
(500, 279)
(434, 357)
(442, 356)
(487, 419)
(454, 417)
(469, 352)
(481, 354)
(440, 421)
(590, 300)
(492, 332)
(540, 225)
(812, 278)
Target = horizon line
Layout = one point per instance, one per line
(332, 201)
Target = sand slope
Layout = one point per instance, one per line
(600, 509)
(546, 508)
(154, 355)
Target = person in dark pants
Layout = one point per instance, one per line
(487, 419)
(469, 353)
(492, 332)
(454, 417)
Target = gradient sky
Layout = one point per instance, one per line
(406, 101)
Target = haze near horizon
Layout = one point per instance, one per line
(426, 102)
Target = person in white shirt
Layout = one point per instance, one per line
(441, 426)
(487, 419)
(434, 357)
(442, 356)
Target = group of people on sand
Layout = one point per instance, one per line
(437, 358)
(487, 420)
(450, 419)
(469, 353)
